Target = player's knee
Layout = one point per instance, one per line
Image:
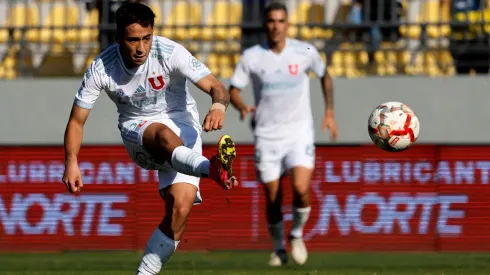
(301, 199)
(181, 212)
(167, 139)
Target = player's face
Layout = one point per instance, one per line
(276, 25)
(136, 44)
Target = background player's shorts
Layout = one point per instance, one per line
(132, 135)
(273, 157)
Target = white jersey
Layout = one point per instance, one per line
(155, 90)
(281, 86)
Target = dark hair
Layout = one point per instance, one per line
(131, 13)
(275, 6)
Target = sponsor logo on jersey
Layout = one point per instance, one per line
(156, 83)
(140, 91)
(120, 92)
(195, 64)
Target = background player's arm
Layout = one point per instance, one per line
(327, 88)
(320, 69)
(240, 80)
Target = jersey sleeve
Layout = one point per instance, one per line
(241, 75)
(183, 62)
(90, 88)
(316, 65)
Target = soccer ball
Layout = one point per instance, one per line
(393, 126)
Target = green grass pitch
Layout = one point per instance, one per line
(241, 263)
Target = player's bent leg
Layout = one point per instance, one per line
(179, 198)
(273, 194)
(164, 145)
(301, 178)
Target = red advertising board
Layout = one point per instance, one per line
(428, 198)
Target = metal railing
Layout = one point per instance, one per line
(382, 37)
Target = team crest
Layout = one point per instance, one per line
(156, 82)
(293, 69)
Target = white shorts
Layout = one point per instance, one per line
(273, 158)
(132, 135)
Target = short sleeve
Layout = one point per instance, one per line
(183, 62)
(316, 64)
(241, 76)
(90, 88)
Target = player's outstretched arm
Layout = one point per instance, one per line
(215, 119)
(328, 120)
(238, 102)
(72, 141)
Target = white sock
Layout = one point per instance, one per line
(190, 162)
(158, 251)
(300, 217)
(276, 232)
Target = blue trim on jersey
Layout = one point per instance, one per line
(106, 62)
(201, 76)
(234, 84)
(166, 48)
(83, 104)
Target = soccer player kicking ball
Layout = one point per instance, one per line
(283, 131)
(146, 77)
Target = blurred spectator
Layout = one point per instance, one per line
(373, 12)
(469, 44)
(252, 14)
(107, 16)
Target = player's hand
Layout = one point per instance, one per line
(72, 178)
(246, 110)
(214, 120)
(329, 123)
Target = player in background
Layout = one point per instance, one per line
(283, 130)
(146, 77)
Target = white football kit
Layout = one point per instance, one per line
(153, 92)
(284, 132)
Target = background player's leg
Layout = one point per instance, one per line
(301, 178)
(273, 194)
(165, 146)
(179, 198)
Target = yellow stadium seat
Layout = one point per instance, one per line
(432, 12)
(4, 36)
(316, 15)
(89, 31)
(182, 14)
(155, 7)
(4, 33)
(336, 67)
(386, 60)
(226, 65)
(20, 16)
(212, 63)
(53, 29)
(10, 74)
(224, 13)
(300, 16)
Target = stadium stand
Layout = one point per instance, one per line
(61, 37)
